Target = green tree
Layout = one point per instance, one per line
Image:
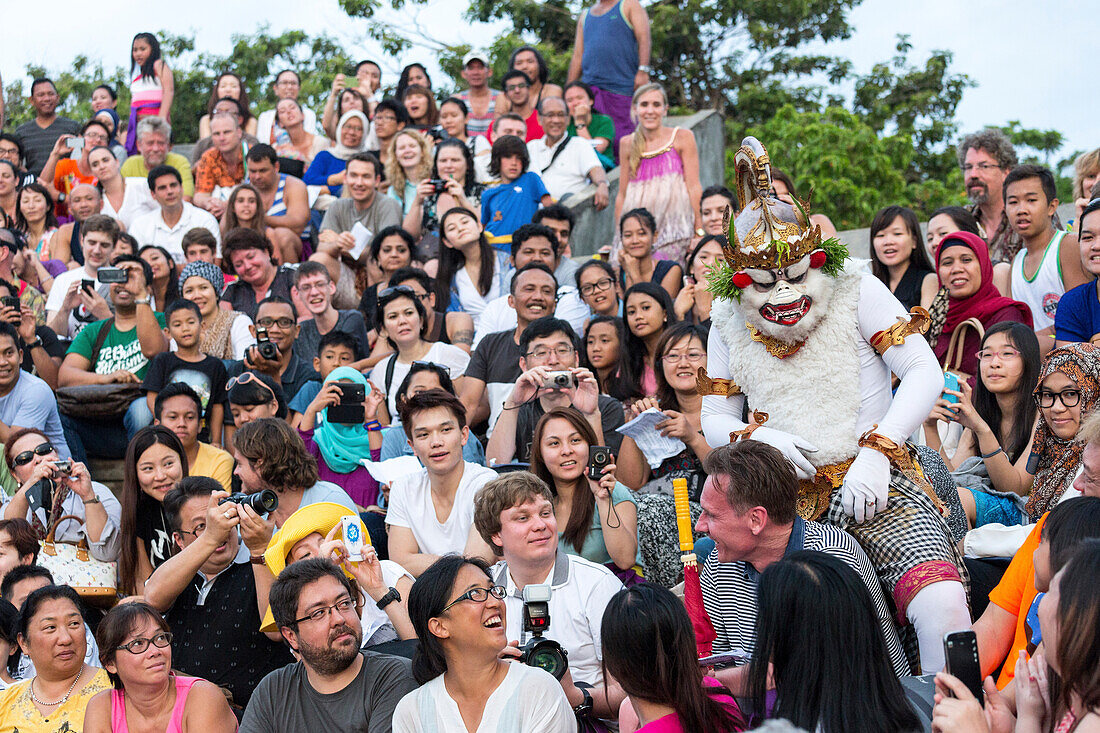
(1040, 147)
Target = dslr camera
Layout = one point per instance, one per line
(261, 502)
(265, 346)
(539, 651)
(559, 380)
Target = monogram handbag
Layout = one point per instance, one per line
(98, 401)
(72, 565)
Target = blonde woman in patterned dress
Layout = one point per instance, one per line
(660, 172)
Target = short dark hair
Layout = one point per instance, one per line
(388, 296)
(253, 392)
(185, 489)
(513, 74)
(543, 327)
(22, 537)
(1023, 172)
(1068, 525)
(42, 80)
(508, 146)
(367, 62)
(719, 190)
(371, 158)
(200, 236)
(278, 300)
(175, 389)
(277, 452)
(102, 224)
(7, 329)
(641, 214)
(1093, 207)
(398, 109)
(310, 267)
(119, 623)
(286, 591)
(239, 239)
(336, 337)
(261, 152)
(555, 212)
(181, 304)
(758, 475)
(578, 84)
(20, 573)
(412, 273)
(531, 266)
(529, 231)
(429, 400)
(9, 137)
(162, 170)
(146, 268)
(391, 231)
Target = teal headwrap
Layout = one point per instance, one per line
(342, 446)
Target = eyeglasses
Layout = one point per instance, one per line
(600, 285)
(1068, 398)
(196, 532)
(561, 352)
(693, 356)
(384, 117)
(283, 323)
(478, 595)
(138, 646)
(27, 456)
(1003, 354)
(246, 378)
(983, 167)
(515, 87)
(9, 151)
(342, 606)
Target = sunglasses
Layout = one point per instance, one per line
(27, 456)
(397, 290)
(246, 378)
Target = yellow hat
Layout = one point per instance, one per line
(320, 518)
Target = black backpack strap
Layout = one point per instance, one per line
(99, 339)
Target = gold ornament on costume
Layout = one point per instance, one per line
(704, 385)
(775, 347)
(919, 321)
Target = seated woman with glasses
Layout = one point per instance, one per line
(51, 488)
(459, 617)
(403, 320)
(422, 376)
(997, 415)
(599, 289)
(136, 651)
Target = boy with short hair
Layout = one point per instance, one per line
(179, 409)
(1049, 263)
(512, 203)
(315, 289)
(205, 374)
(336, 349)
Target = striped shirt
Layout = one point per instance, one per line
(729, 590)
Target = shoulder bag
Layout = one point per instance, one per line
(98, 401)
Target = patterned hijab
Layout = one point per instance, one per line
(202, 269)
(1058, 458)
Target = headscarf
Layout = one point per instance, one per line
(981, 305)
(342, 446)
(1058, 458)
(204, 270)
(338, 148)
(114, 120)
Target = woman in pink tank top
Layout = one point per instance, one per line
(135, 649)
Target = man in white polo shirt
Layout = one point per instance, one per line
(174, 218)
(566, 164)
(514, 514)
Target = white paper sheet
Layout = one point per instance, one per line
(362, 239)
(386, 472)
(654, 446)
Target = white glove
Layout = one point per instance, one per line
(866, 486)
(791, 446)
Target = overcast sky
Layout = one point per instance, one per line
(1030, 64)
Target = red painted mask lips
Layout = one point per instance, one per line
(789, 314)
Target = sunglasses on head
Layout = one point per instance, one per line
(397, 290)
(246, 378)
(43, 449)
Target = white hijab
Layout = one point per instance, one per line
(340, 150)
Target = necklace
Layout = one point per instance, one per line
(63, 700)
(775, 347)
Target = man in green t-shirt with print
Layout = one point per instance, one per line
(136, 335)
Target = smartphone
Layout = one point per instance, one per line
(960, 649)
(75, 143)
(350, 410)
(112, 275)
(87, 285)
(598, 457)
(950, 381)
(351, 393)
(9, 301)
(352, 533)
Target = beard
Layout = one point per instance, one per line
(977, 192)
(329, 660)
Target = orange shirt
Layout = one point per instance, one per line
(66, 176)
(1015, 594)
(213, 172)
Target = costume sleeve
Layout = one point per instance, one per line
(913, 362)
(995, 540)
(719, 415)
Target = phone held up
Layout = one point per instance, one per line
(350, 410)
(960, 649)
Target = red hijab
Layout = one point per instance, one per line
(982, 304)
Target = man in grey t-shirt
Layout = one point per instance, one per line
(335, 687)
(362, 177)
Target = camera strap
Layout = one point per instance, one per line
(558, 151)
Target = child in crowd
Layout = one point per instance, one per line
(178, 408)
(203, 373)
(152, 86)
(605, 356)
(336, 349)
(649, 311)
(505, 207)
(638, 231)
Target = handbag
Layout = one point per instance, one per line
(954, 357)
(98, 401)
(72, 565)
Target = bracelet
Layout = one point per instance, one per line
(987, 456)
(373, 425)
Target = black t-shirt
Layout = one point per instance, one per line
(908, 290)
(50, 343)
(154, 531)
(219, 639)
(611, 417)
(496, 359)
(207, 378)
(242, 297)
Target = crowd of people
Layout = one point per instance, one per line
(395, 458)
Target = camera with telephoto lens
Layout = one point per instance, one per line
(261, 502)
(265, 346)
(559, 380)
(546, 654)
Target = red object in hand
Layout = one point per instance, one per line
(700, 621)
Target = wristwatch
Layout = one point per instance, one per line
(147, 300)
(93, 500)
(34, 344)
(387, 599)
(585, 706)
(646, 68)
(257, 560)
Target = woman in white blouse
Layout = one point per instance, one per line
(124, 199)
